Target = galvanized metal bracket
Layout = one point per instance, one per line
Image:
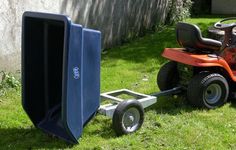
(145, 100)
(113, 96)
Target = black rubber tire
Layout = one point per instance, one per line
(198, 89)
(121, 109)
(168, 76)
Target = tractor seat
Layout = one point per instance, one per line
(189, 36)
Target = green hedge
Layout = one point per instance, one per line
(178, 10)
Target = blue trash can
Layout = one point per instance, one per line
(60, 73)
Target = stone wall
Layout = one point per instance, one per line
(116, 19)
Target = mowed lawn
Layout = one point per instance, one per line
(170, 124)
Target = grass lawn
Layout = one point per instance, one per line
(169, 124)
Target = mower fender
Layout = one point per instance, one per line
(203, 60)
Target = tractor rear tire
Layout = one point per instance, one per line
(208, 90)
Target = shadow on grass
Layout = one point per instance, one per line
(232, 102)
(32, 138)
(175, 106)
(101, 126)
(172, 106)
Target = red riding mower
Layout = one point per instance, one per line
(204, 67)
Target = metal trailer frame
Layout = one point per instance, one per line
(145, 100)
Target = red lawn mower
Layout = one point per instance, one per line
(205, 68)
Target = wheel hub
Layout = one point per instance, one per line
(130, 120)
(213, 93)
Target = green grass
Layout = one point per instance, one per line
(169, 124)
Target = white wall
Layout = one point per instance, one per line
(10, 28)
(116, 19)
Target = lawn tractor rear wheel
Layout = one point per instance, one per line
(168, 76)
(209, 90)
(128, 117)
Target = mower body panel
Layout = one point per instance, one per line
(197, 60)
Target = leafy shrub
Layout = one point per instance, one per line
(178, 10)
(8, 81)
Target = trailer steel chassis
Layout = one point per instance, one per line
(128, 114)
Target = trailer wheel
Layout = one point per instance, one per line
(128, 117)
(209, 90)
(168, 77)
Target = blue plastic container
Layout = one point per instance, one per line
(60, 73)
